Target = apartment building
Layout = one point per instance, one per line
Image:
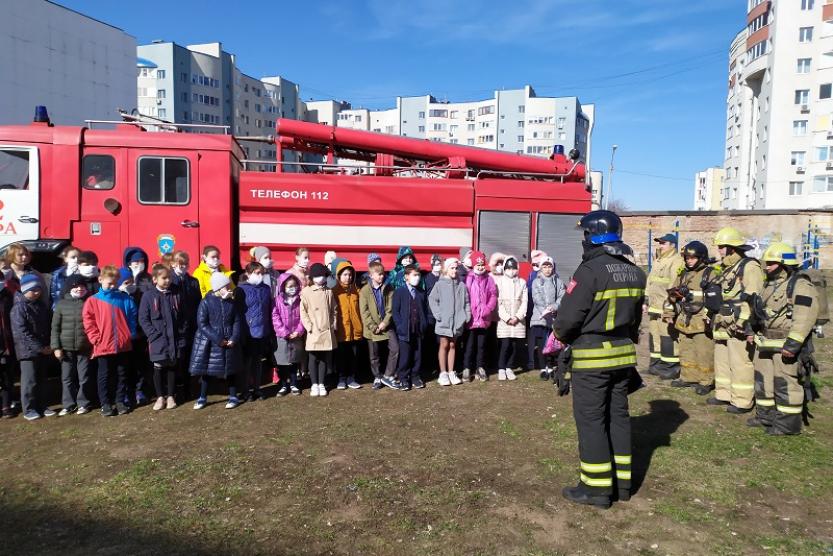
(708, 186)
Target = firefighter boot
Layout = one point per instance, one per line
(579, 495)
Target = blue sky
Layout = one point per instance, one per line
(656, 69)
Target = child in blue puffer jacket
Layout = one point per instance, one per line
(255, 299)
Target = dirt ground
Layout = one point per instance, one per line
(472, 469)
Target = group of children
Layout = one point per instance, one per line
(125, 324)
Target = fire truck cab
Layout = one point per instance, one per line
(104, 189)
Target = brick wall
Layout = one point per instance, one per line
(760, 228)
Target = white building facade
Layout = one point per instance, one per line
(708, 186)
(779, 134)
(76, 66)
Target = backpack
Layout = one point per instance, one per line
(816, 278)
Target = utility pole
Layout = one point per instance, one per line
(610, 177)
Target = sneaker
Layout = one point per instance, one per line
(32, 415)
(389, 382)
(8, 413)
(141, 399)
(482, 375)
(455, 380)
(342, 384)
(232, 402)
(49, 413)
(313, 392)
(466, 375)
(510, 374)
(417, 383)
(122, 409)
(66, 411)
(353, 385)
(160, 404)
(322, 390)
(405, 387)
(295, 390)
(377, 384)
(444, 380)
(544, 374)
(82, 410)
(200, 403)
(170, 403)
(107, 410)
(501, 374)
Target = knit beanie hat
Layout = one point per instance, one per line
(449, 262)
(73, 281)
(537, 256)
(125, 274)
(219, 280)
(30, 282)
(259, 252)
(477, 257)
(136, 257)
(373, 257)
(317, 270)
(547, 260)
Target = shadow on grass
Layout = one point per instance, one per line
(36, 526)
(651, 431)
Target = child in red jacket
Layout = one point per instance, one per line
(110, 323)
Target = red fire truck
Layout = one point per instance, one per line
(104, 189)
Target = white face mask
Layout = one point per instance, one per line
(413, 280)
(479, 272)
(180, 270)
(266, 262)
(302, 262)
(499, 269)
(255, 279)
(137, 268)
(76, 294)
(72, 265)
(87, 270)
(227, 294)
(291, 291)
(511, 273)
(319, 280)
(407, 261)
(128, 289)
(212, 262)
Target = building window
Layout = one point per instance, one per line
(438, 127)
(470, 114)
(455, 113)
(822, 184)
(799, 128)
(469, 127)
(183, 77)
(453, 128)
(521, 109)
(422, 129)
(160, 74)
(160, 93)
(807, 4)
(757, 50)
(520, 138)
(805, 34)
(162, 113)
(438, 113)
(802, 96)
(422, 115)
(824, 91)
(562, 136)
(797, 158)
(803, 65)
(823, 154)
(795, 187)
(758, 22)
(520, 123)
(486, 110)
(469, 141)
(561, 122)
(163, 181)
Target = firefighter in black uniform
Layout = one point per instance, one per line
(599, 318)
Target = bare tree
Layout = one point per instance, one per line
(617, 206)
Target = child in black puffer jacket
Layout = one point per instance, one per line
(71, 346)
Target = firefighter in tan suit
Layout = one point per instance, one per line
(741, 277)
(790, 309)
(665, 358)
(687, 312)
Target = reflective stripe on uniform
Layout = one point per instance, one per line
(743, 386)
(611, 296)
(765, 402)
(623, 475)
(722, 380)
(796, 336)
(769, 343)
(605, 357)
(596, 467)
(607, 482)
(670, 359)
(605, 363)
(607, 350)
(654, 311)
(790, 409)
(721, 335)
(622, 460)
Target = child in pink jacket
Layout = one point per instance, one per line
(483, 296)
(286, 319)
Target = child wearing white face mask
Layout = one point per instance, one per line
(263, 255)
(209, 265)
(319, 312)
(69, 268)
(88, 268)
(450, 305)
(72, 348)
(511, 326)
(139, 368)
(256, 303)
(300, 269)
